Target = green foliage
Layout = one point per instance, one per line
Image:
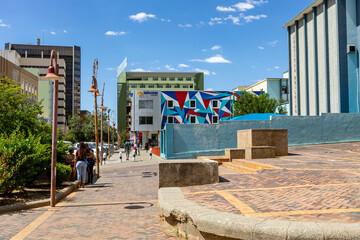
(251, 103)
(22, 158)
(17, 111)
(62, 173)
(123, 136)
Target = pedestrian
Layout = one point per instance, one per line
(80, 163)
(127, 149)
(135, 149)
(150, 153)
(90, 163)
(147, 147)
(138, 148)
(70, 160)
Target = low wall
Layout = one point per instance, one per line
(191, 140)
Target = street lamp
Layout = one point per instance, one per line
(108, 120)
(53, 75)
(102, 113)
(113, 148)
(95, 90)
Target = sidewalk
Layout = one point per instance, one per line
(120, 205)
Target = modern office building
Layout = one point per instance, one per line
(43, 89)
(161, 81)
(71, 55)
(151, 110)
(323, 45)
(27, 80)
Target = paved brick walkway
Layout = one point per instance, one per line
(314, 183)
(121, 205)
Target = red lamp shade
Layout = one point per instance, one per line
(108, 119)
(92, 89)
(51, 76)
(101, 106)
(98, 94)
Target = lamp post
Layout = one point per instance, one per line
(53, 75)
(113, 139)
(102, 115)
(108, 120)
(95, 90)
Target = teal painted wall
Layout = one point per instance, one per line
(189, 141)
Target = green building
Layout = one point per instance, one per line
(147, 81)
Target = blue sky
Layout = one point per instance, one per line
(235, 42)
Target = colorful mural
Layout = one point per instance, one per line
(182, 105)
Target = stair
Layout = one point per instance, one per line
(219, 159)
(254, 165)
(239, 167)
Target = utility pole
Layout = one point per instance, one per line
(108, 120)
(102, 115)
(113, 147)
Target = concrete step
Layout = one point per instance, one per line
(254, 165)
(259, 152)
(219, 159)
(234, 153)
(238, 167)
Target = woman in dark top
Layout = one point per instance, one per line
(81, 164)
(91, 162)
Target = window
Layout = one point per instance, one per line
(185, 86)
(163, 79)
(172, 79)
(168, 86)
(170, 119)
(192, 119)
(284, 90)
(145, 79)
(177, 86)
(215, 104)
(145, 104)
(180, 79)
(151, 86)
(133, 86)
(215, 119)
(160, 86)
(192, 103)
(146, 120)
(142, 85)
(155, 78)
(188, 79)
(170, 104)
(191, 86)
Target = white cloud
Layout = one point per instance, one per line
(250, 18)
(225, 9)
(261, 47)
(206, 72)
(181, 65)
(214, 59)
(258, 3)
(204, 50)
(139, 70)
(216, 47)
(235, 20)
(273, 43)
(168, 67)
(165, 20)
(213, 73)
(3, 24)
(110, 69)
(65, 31)
(276, 67)
(141, 17)
(185, 25)
(53, 33)
(112, 33)
(244, 6)
(209, 89)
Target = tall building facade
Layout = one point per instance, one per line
(71, 55)
(323, 45)
(161, 81)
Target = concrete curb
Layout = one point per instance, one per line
(40, 203)
(197, 222)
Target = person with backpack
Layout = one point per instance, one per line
(80, 163)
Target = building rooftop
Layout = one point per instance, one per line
(301, 14)
(162, 74)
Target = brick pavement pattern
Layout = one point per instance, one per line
(314, 183)
(120, 205)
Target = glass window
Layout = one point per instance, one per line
(215, 104)
(133, 86)
(168, 86)
(192, 119)
(151, 86)
(215, 119)
(145, 79)
(170, 103)
(170, 119)
(155, 78)
(185, 86)
(177, 86)
(160, 86)
(145, 104)
(180, 79)
(188, 79)
(146, 120)
(163, 79)
(192, 103)
(142, 85)
(172, 79)
(191, 86)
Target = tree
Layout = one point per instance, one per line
(251, 103)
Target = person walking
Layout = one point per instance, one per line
(80, 163)
(90, 163)
(138, 148)
(127, 149)
(70, 160)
